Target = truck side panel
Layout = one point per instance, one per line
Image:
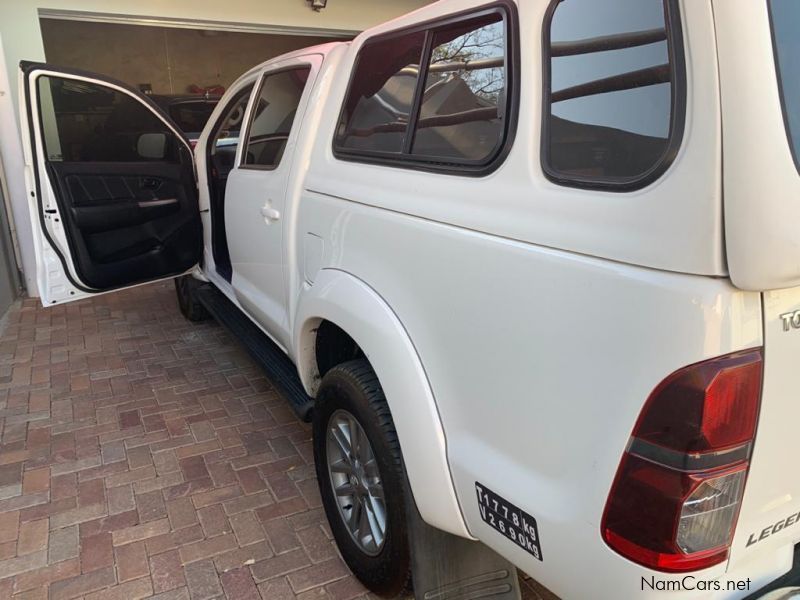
(539, 362)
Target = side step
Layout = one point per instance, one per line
(447, 567)
(282, 372)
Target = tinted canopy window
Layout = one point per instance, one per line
(786, 31)
(437, 97)
(273, 116)
(611, 111)
(378, 106)
(82, 121)
(462, 110)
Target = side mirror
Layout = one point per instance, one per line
(152, 145)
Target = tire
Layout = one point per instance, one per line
(351, 390)
(190, 306)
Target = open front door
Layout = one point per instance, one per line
(111, 183)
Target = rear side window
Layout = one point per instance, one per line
(438, 97)
(614, 93)
(273, 115)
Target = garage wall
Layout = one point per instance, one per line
(8, 265)
(169, 59)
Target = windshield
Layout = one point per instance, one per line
(786, 35)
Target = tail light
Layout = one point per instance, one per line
(676, 497)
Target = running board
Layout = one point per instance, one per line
(282, 372)
(448, 567)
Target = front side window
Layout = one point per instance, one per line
(437, 97)
(191, 115)
(273, 115)
(786, 35)
(614, 95)
(224, 139)
(84, 121)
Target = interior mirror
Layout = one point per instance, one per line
(152, 145)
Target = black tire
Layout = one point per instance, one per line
(354, 387)
(190, 306)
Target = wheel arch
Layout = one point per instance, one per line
(362, 314)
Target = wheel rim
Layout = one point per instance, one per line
(356, 482)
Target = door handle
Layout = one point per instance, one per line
(150, 183)
(270, 214)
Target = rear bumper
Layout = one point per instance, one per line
(786, 593)
(785, 587)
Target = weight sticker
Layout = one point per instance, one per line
(512, 522)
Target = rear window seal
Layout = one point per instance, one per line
(448, 166)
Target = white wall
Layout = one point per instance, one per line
(8, 265)
(12, 165)
(20, 38)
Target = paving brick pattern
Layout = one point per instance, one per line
(143, 456)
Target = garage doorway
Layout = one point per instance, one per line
(167, 60)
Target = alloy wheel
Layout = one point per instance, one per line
(356, 482)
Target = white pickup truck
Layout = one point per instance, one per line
(531, 267)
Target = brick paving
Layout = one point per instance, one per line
(143, 456)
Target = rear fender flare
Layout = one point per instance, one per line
(352, 305)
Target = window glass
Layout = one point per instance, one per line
(190, 115)
(611, 84)
(378, 105)
(785, 28)
(273, 115)
(462, 111)
(225, 139)
(83, 121)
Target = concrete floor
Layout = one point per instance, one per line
(143, 456)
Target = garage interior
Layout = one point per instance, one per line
(164, 60)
